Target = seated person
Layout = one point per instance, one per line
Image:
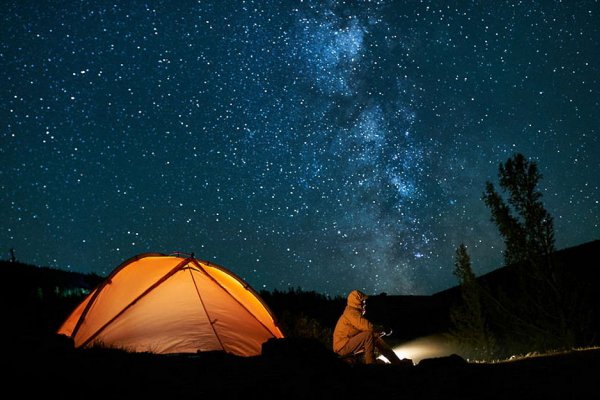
(354, 333)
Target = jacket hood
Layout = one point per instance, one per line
(355, 298)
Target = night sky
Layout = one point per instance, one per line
(321, 145)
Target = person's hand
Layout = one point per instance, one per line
(386, 331)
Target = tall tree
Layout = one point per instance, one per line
(469, 324)
(525, 225)
(543, 306)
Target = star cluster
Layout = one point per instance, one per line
(326, 145)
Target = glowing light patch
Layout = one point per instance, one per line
(425, 347)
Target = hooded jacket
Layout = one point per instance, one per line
(352, 321)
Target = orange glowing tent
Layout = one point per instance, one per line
(172, 304)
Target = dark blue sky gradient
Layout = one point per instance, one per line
(326, 145)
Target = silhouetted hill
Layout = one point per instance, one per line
(579, 261)
(37, 299)
(41, 297)
(19, 277)
(581, 275)
(409, 317)
(416, 316)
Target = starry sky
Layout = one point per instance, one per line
(321, 145)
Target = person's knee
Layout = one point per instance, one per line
(369, 342)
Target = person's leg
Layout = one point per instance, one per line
(387, 351)
(363, 340)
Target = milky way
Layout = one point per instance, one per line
(321, 145)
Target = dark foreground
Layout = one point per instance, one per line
(300, 370)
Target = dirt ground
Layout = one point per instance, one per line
(54, 368)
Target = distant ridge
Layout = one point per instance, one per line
(415, 316)
(27, 290)
(19, 277)
(581, 260)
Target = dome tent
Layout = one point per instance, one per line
(171, 304)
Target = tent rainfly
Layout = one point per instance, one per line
(171, 304)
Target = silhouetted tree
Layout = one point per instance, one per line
(543, 308)
(523, 222)
(469, 323)
(305, 314)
